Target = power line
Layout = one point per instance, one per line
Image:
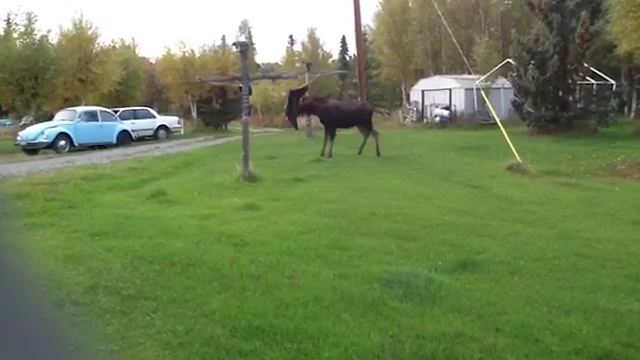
(446, 25)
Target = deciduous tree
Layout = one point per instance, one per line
(313, 51)
(485, 54)
(130, 88)
(393, 40)
(87, 70)
(31, 78)
(8, 49)
(177, 72)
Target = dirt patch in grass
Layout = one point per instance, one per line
(413, 286)
(250, 206)
(162, 197)
(467, 264)
(519, 168)
(9, 133)
(625, 169)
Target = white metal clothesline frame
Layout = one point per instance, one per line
(603, 75)
(484, 77)
(590, 80)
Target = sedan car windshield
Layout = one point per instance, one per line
(65, 115)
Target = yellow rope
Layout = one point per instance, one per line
(504, 132)
(484, 96)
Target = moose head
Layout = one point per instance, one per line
(293, 104)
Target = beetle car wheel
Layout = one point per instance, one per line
(162, 133)
(62, 144)
(124, 139)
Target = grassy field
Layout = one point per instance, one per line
(7, 139)
(6, 147)
(433, 251)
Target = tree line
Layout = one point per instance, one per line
(39, 76)
(550, 39)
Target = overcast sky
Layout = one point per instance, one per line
(198, 22)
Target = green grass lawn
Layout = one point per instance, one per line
(433, 251)
(7, 147)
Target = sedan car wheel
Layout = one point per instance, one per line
(62, 144)
(162, 133)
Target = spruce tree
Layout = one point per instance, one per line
(344, 64)
(545, 77)
(291, 43)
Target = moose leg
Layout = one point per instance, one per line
(326, 138)
(332, 134)
(365, 133)
(375, 137)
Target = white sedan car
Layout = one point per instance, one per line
(146, 122)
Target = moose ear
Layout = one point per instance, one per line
(302, 90)
(297, 93)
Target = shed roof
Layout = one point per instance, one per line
(455, 82)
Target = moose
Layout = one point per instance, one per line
(334, 115)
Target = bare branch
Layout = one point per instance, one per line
(318, 75)
(218, 78)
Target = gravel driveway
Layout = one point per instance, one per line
(108, 156)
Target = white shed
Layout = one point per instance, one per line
(456, 91)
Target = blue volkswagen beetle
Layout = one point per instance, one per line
(79, 127)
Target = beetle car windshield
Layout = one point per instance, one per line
(65, 115)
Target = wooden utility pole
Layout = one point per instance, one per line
(245, 78)
(307, 67)
(361, 53)
(243, 48)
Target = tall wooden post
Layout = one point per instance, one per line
(361, 53)
(243, 48)
(307, 66)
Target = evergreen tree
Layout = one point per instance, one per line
(292, 42)
(344, 64)
(224, 45)
(584, 39)
(545, 77)
(381, 92)
(245, 30)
